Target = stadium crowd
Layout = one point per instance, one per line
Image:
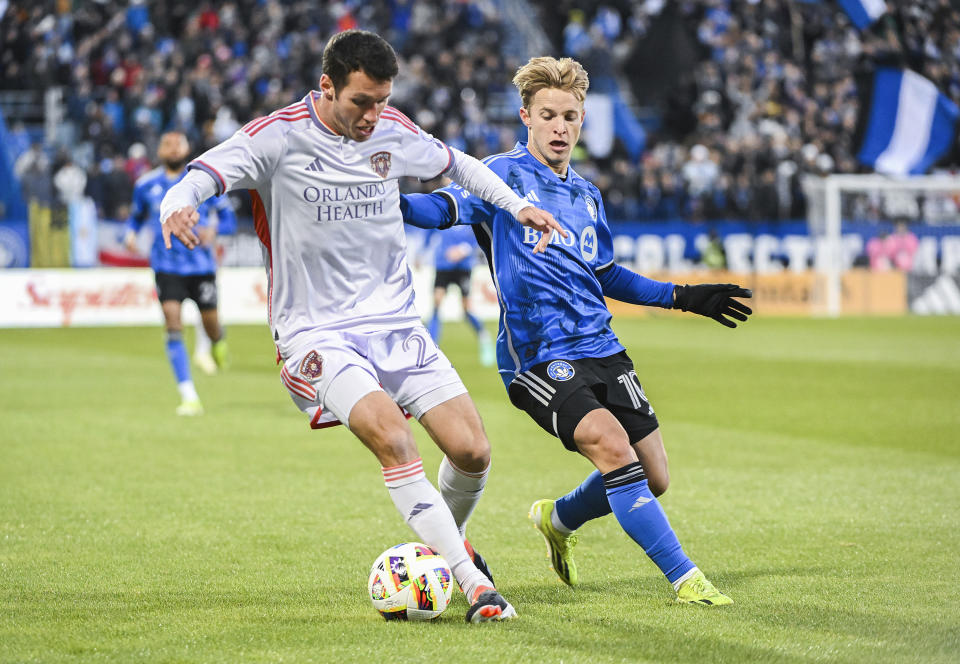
(766, 92)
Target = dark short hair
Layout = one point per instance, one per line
(358, 50)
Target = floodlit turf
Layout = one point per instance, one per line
(815, 479)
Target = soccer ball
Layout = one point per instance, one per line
(410, 581)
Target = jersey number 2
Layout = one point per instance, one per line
(421, 345)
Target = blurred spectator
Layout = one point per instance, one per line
(767, 94)
(33, 171)
(18, 141)
(137, 162)
(110, 188)
(713, 255)
(893, 251)
(70, 182)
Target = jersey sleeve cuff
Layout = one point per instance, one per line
(450, 160)
(454, 208)
(212, 172)
(603, 268)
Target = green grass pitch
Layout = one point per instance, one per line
(815, 478)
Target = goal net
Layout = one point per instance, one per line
(883, 244)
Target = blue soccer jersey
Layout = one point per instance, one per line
(454, 249)
(147, 194)
(551, 305)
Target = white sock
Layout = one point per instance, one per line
(558, 524)
(679, 582)
(201, 345)
(461, 491)
(187, 391)
(424, 510)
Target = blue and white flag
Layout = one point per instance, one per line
(864, 13)
(910, 123)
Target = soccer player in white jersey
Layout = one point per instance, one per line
(323, 177)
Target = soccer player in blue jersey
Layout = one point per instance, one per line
(181, 273)
(454, 252)
(558, 356)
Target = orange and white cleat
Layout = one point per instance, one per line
(489, 605)
(478, 560)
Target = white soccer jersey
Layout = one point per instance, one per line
(326, 209)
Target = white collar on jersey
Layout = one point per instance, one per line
(309, 100)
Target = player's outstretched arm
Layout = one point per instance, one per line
(627, 286)
(178, 209)
(474, 176)
(180, 225)
(427, 210)
(714, 301)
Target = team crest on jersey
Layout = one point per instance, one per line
(312, 365)
(380, 163)
(591, 207)
(560, 370)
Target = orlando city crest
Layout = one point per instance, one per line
(312, 365)
(380, 163)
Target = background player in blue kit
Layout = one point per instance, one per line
(558, 356)
(181, 273)
(454, 254)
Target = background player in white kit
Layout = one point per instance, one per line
(323, 178)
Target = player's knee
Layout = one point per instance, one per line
(475, 457)
(616, 449)
(606, 446)
(472, 454)
(395, 449)
(392, 445)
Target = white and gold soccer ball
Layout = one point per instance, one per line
(410, 581)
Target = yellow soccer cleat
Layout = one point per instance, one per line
(220, 354)
(559, 545)
(698, 590)
(190, 408)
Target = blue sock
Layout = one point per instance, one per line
(177, 354)
(587, 501)
(641, 516)
(434, 327)
(475, 322)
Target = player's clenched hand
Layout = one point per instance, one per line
(713, 301)
(543, 221)
(180, 224)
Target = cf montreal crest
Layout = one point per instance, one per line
(591, 207)
(380, 162)
(312, 365)
(560, 370)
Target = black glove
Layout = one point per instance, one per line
(713, 301)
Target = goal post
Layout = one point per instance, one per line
(845, 211)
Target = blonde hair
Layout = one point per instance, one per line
(546, 72)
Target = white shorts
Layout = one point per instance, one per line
(334, 370)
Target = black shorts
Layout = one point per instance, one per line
(201, 288)
(459, 277)
(559, 393)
